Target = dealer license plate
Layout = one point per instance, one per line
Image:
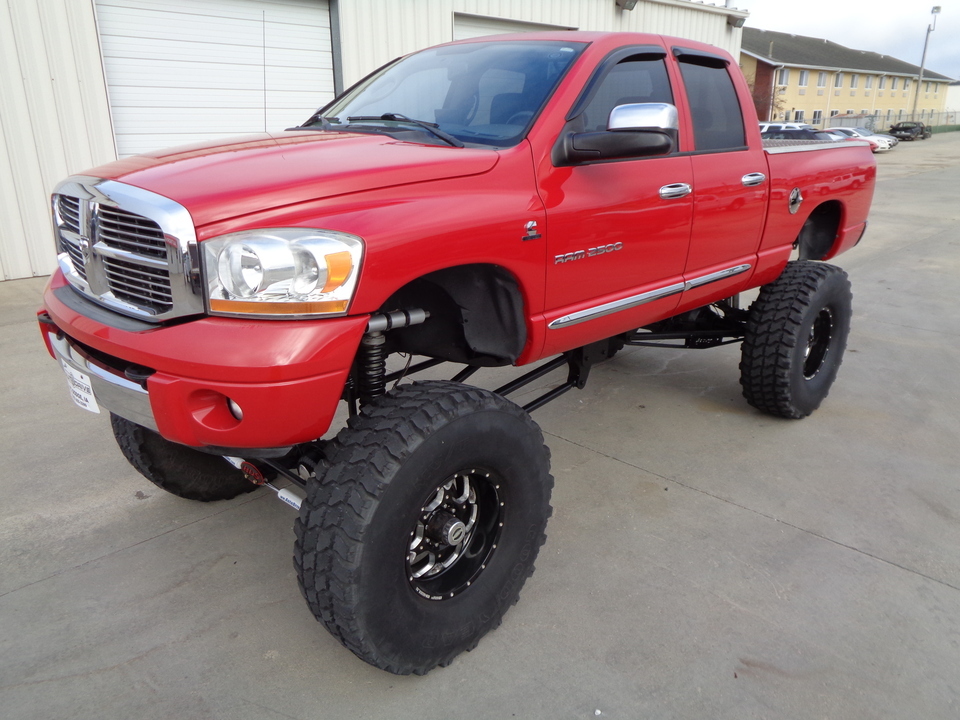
(80, 389)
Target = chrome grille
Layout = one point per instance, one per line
(127, 248)
(69, 211)
(125, 231)
(137, 282)
(143, 286)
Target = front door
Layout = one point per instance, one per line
(617, 231)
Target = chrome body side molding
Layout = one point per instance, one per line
(644, 298)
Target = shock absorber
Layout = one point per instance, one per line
(372, 358)
(371, 367)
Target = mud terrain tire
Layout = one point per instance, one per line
(796, 334)
(176, 468)
(377, 553)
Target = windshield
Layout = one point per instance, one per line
(485, 93)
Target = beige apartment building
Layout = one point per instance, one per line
(803, 79)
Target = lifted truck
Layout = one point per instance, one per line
(501, 201)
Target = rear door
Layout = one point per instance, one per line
(730, 179)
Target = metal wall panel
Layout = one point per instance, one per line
(374, 32)
(54, 120)
(471, 26)
(184, 71)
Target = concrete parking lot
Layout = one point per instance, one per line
(703, 560)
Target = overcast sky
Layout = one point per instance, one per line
(889, 27)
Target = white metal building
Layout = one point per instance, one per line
(86, 81)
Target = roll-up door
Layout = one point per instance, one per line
(470, 26)
(183, 71)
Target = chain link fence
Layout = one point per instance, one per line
(947, 121)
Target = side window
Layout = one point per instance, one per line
(636, 79)
(717, 118)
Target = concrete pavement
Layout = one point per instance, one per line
(703, 560)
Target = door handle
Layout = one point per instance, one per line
(674, 191)
(753, 179)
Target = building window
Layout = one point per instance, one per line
(838, 80)
(868, 82)
(817, 116)
(822, 79)
(906, 84)
(889, 114)
(849, 112)
(928, 88)
(783, 77)
(834, 113)
(798, 116)
(854, 80)
(883, 82)
(893, 83)
(805, 78)
(786, 116)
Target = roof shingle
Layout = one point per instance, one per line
(786, 49)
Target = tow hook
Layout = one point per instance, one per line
(252, 473)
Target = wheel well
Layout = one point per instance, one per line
(819, 232)
(476, 316)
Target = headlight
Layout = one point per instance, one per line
(281, 271)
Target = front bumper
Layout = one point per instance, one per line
(112, 389)
(287, 377)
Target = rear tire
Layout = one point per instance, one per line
(796, 334)
(422, 531)
(176, 468)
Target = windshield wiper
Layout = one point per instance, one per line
(326, 123)
(431, 128)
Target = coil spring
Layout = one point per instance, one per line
(372, 367)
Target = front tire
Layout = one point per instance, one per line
(796, 334)
(176, 468)
(422, 531)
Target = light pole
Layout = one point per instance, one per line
(923, 60)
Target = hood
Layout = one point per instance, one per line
(219, 181)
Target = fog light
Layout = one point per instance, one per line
(235, 409)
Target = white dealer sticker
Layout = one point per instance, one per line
(80, 389)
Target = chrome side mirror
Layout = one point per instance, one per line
(644, 116)
(633, 131)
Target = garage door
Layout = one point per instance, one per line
(470, 26)
(183, 71)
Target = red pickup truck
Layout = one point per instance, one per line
(544, 197)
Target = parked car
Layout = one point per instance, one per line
(800, 134)
(867, 131)
(911, 130)
(877, 144)
(764, 127)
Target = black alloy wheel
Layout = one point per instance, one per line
(455, 534)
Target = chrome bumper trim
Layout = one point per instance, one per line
(113, 391)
